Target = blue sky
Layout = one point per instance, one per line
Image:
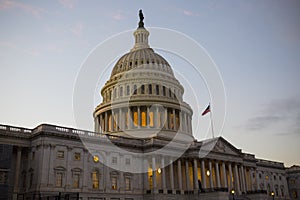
(255, 44)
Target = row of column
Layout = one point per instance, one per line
(210, 175)
(141, 117)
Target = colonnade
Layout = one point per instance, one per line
(198, 175)
(137, 117)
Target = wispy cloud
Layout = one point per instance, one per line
(77, 29)
(281, 116)
(68, 3)
(119, 16)
(189, 13)
(33, 10)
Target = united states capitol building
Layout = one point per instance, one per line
(142, 148)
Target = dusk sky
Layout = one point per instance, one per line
(254, 44)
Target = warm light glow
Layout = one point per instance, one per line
(159, 170)
(96, 159)
(272, 193)
(232, 191)
(207, 172)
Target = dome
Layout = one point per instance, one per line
(142, 97)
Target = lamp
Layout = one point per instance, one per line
(207, 172)
(273, 195)
(232, 193)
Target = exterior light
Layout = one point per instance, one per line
(96, 159)
(272, 194)
(159, 170)
(207, 172)
(232, 191)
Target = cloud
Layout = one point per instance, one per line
(189, 13)
(118, 16)
(33, 10)
(281, 116)
(77, 29)
(68, 3)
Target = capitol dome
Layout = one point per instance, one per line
(143, 98)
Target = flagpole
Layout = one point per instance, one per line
(211, 122)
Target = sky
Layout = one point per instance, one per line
(254, 44)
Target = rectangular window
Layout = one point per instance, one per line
(150, 88)
(114, 160)
(59, 176)
(143, 89)
(60, 154)
(164, 90)
(135, 118)
(127, 161)
(76, 180)
(33, 155)
(121, 91)
(127, 183)
(114, 183)
(95, 179)
(127, 90)
(76, 156)
(157, 89)
(144, 119)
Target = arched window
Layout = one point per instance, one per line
(121, 91)
(164, 91)
(127, 90)
(142, 89)
(115, 92)
(170, 93)
(134, 90)
(150, 88)
(157, 89)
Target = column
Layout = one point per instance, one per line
(224, 175)
(121, 119)
(112, 120)
(166, 119)
(171, 175)
(163, 174)
(203, 178)
(179, 174)
(196, 185)
(153, 173)
(257, 179)
(139, 116)
(251, 179)
(156, 118)
(105, 128)
(230, 177)
(129, 117)
(146, 174)
(174, 120)
(236, 179)
(96, 124)
(211, 184)
(180, 121)
(85, 169)
(17, 172)
(217, 174)
(188, 183)
(148, 117)
(243, 179)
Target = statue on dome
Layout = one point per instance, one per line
(141, 23)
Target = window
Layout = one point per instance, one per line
(157, 89)
(150, 88)
(121, 91)
(30, 180)
(274, 178)
(280, 178)
(76, 156)
(134, 89)
(76, 180)
(135, 118)
(259, 175)
(3, 178)
(144, 119)
(95, 180)
(33, 155)
(170, 93)
(59, 178)
(127, 161)
(114, 183)
(267, 177)
(151, 119)
(164, 90)
(127, 90)
(294, 194)
(114, 160)
(60, 154)
(127, 183)
(143, 89)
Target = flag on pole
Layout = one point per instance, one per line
(207, 110)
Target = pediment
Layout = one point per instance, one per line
(222, 146)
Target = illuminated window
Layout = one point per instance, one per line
(135, 118)
(59, 178)
(76, 156)
(127, 183)
(295, 194)
(115, 120)
(95, 180)
(76, 180)
(144, 119)
(158, 119)
(114, 183)
(60, 154)
(151, 119)
(150, 88)
(267, 177)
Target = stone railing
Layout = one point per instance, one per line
(15, 129)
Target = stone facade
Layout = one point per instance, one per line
(142, 147)
(293, 179)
